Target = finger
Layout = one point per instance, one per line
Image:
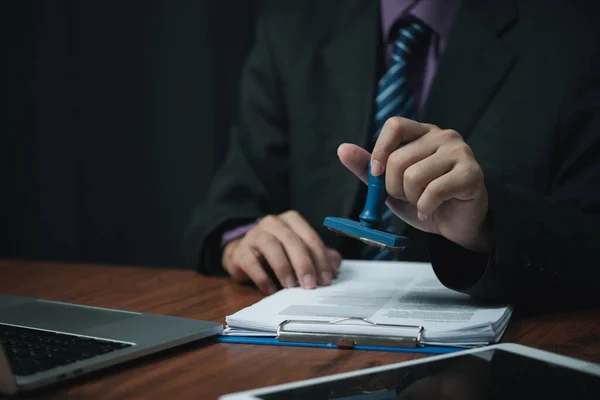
(395, 131)
(461, 183)
(272, 251)
(356, 159)
(250, 264)
(229, 261)
(336, 259)
(401, 160)
(236, 272)
(324, 268)
(297, 252)
(419, 175)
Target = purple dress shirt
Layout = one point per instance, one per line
(439, 16)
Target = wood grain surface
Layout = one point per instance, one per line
(207, 370)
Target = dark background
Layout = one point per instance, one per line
(114, 117)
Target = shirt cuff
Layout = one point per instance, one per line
(237, 233)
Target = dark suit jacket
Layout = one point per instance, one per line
(515, 81)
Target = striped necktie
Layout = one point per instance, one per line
(395, 98)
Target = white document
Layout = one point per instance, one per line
(388, 293)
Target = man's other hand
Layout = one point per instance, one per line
(432, 179)
(288, 245)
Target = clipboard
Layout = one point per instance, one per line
(409, 341)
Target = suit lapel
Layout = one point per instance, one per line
(350, 59)
(473, 66)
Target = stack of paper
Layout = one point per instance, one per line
(389, 293)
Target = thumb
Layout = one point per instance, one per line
(356, 159)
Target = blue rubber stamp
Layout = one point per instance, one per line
(366, 229)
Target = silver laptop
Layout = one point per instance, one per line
(42, 342)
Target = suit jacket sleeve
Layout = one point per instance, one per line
(544, 243)
(253, 180)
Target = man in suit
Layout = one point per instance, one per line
(497, 185)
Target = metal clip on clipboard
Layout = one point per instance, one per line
(345, 340)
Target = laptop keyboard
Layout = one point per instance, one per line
(30, 351)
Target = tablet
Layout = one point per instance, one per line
(503, 371)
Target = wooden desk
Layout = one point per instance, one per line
(207, 370)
